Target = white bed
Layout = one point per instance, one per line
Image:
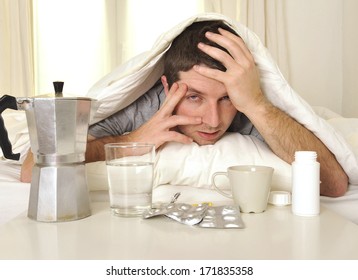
(193, 165)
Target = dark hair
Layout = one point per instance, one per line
(184, 53)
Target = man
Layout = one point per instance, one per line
(211, 86)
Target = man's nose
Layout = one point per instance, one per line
(211, 116)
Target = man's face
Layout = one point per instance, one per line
(208, 99)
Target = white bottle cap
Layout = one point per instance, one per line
(305, 155)
(280, 198)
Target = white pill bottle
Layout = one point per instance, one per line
(305, 184)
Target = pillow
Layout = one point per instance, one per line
(193, 165)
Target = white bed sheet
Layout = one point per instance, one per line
(14, 195)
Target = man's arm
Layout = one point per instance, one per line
(95, 146)
(283, 134)
(26, 168)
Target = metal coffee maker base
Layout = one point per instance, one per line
(59, 193)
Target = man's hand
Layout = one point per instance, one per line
(161, 128)
(241, 77)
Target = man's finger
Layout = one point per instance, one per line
(216, 53)
(176, 120)
(176, 93)
(210, 73)
(238, 40)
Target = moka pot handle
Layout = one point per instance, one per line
(7, 102)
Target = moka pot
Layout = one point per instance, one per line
(58, 129)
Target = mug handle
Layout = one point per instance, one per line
(216, 187)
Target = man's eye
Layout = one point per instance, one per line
(224, 98)
(193, 98)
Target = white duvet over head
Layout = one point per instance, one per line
(129, 81)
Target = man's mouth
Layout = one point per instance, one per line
(208, 135)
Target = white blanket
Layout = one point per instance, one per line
(132, 79)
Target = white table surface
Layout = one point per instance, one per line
(274, 234)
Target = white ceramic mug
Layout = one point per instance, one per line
(250, 186)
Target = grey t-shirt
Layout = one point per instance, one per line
(140, 111)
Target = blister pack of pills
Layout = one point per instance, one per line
(180, 212)
(222, 217)
(202, 215)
